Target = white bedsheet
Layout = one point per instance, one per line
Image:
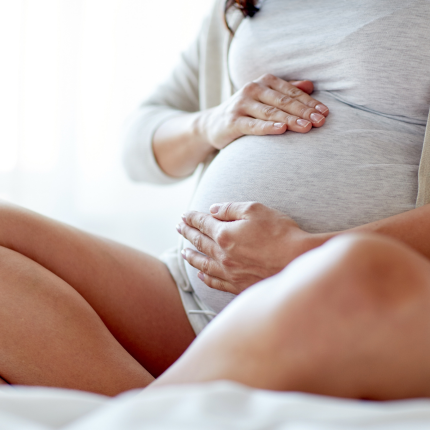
(220, 405)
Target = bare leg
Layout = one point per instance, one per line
(350, 319)
(95, 303)
(51, 336)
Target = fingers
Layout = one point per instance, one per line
(210, 271)
(217, 283)
(259, 127)
(291, 90)
(269, 112)
(272, 105)
(203, 263)
(295, 102)
(306, 86)
(202, 222)
(223, 285)
(234, 211)
(292, 93)
(201, 242)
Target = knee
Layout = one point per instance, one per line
(364, 250)
(351, 278)
(376, 270)
(373, 294)
(349, 275)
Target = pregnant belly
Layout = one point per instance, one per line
(330, 179)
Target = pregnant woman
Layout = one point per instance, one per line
(348, 318)
(359, 169)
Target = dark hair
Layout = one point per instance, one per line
(247, 7)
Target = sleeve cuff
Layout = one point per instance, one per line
(139, 159)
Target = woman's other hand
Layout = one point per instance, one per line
(268, 105)
(240, 244)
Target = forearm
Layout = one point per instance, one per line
(411, 228)
(179, 144)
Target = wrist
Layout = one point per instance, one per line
(199, 127)
(304, 242)
(178, 146)
(314, 240)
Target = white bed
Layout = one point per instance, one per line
(220, 405)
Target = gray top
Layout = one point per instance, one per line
(368, 66)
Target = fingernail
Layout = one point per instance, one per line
(214, 208)
(316, 117)
(278, 124)
(201, 276)
(178, 228)
(184, 218)
(303, 122)
(184, 254)
(321, 108)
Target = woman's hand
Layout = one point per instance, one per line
(243, 243)
(268, 105)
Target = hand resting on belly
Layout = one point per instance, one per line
(243, 243)
(266, 106)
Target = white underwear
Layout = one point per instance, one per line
(198, 314)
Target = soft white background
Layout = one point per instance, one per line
(71, 71)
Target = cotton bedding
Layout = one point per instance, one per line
(219, 405)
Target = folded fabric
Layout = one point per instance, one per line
(218, 405)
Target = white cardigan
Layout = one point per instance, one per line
(200, 81)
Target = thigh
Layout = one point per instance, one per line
(50, 336)
(132, 292)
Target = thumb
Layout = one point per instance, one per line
(230, 211)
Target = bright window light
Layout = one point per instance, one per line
(72, 71)
(10, 47)
(39, 120)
